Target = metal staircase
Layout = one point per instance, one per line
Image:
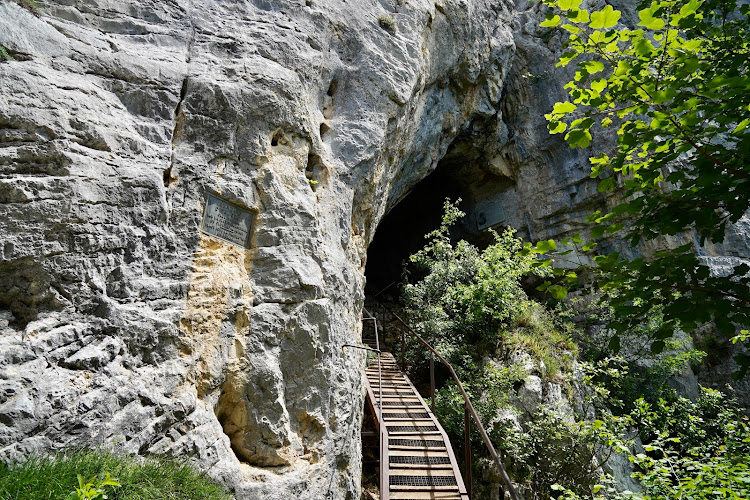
(416, 459)
(416, 455)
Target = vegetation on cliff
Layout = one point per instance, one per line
(680, 449)
(513, 352)
(676, 89)
(471, 305)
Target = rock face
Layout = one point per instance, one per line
(121, 323)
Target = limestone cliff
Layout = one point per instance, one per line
(121, 323)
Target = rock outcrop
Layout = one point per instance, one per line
(121, 323)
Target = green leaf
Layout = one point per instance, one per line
(605, 185)
(550, 21)
(598, 86)
(644, 47)
(648, 20)
(546, 246)
(614, 344)
(742, 126)
(578, 16)
(690, 8)
(569, 4)
(605, 18)
(578, 138)
(563, 108)
(593, 66)
(567, 57)
(597, 232)
(658, 346)
(556, 127)
(558, 292)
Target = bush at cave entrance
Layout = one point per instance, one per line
(470, 304)
(467, 299)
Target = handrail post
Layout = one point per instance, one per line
(467, 448)
(432, 382)
(403, 349)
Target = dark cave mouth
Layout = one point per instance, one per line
(463, 174)
(402, 231)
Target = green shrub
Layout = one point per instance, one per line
(4, 55)
(470, 304)
(57, 476)
(637, 371)
(690, 450)
(387, 23)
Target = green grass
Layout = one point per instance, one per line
(387, 23)
(55, 477)
(32, 5)
(4, 55)
(537, 333)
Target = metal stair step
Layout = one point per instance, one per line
(419, 462)
(398, 482)
(410, 442)
(442, 477)
(413, 429)
(413, 415)
(427, 495)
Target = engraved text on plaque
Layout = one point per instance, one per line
(227, 221)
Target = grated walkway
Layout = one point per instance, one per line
(419, 461)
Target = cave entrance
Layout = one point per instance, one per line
(464, 172)
(486, 187)
(401, 231)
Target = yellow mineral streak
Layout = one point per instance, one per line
(220, 271)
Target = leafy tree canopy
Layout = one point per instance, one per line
(676, 89)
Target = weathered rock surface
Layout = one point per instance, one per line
(121, 323)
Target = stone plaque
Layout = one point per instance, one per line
(227, 221)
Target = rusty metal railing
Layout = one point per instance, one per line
(382, 430)
(469, 411)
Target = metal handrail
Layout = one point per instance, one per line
(384, 289)
(471, 410)
(382, 431)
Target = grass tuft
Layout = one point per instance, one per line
(4, 55)
(387, 23)
(545, 339)
(55, 477)
(32, 5)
